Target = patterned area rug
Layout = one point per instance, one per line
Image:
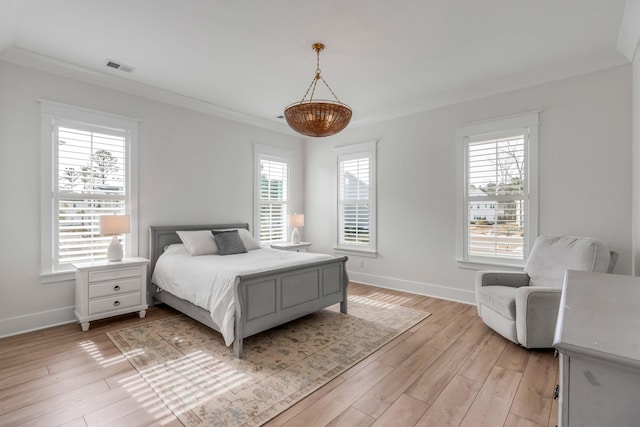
(189, 367)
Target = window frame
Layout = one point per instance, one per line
(274, 154)
(52, 115)
(527, 123)
(351, 152)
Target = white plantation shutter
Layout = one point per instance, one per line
(499, 189)
(354, 201)
(274, 190)
(91, 181)
(496, 198)
(88, 169)
(356, 197)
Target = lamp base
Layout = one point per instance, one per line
(114, 252)
(295, 236)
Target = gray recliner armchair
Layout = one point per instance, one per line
(523, 307)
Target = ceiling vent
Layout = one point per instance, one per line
(118, 66)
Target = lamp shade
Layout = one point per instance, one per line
(296, 220)
(115, 224)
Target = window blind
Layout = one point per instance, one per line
(90, 180)
(354, 193)
(496, 197)
(273, 200)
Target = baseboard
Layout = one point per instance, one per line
(427, 289)
(36, 321)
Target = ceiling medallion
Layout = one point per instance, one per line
(321, 117)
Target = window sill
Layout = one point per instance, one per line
(484, 265)
(57, 276)
(356, 252)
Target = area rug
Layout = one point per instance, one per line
(197, 377)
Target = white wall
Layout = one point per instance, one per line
(194, 168)
(585, 180)
(636, 164)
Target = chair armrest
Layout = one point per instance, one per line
(536, 315)
(514, 279)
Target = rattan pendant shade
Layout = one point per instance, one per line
(318, 118)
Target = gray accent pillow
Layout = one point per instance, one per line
(229, 242)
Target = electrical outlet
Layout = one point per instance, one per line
(361, 263)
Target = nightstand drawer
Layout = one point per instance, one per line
(115, 287)
(114, 303)
(114, 273)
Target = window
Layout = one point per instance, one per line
(356, 197)
(87, 171)
(498, 167)
(272, 170)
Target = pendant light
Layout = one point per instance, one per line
(321, 117)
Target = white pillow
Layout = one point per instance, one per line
(200, 242)
(248, 240)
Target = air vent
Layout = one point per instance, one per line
(118, 66)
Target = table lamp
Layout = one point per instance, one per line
(296, 220)
(114, 225)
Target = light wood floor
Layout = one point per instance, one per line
(449, 370)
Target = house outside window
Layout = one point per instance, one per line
(497, 201)
(272, 170)
(89, 169)
(356, 166)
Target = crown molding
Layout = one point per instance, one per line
(55, 66)
(630, 30)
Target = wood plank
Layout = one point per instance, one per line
(405, 411)
(450, 333)
(353, 418)
(484, 357)
(44, 407)
(491, 406)
(290, 413)
(452, 404)
(409, 345)
(66, 387)
(516, 421)
(78, 408)
(436, 377)
(514, 357)
(335, 402)
(533, 400)
(381, 396)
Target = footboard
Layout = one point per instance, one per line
(265, 300)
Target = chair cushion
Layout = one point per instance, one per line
(552, 255)
(501, 299)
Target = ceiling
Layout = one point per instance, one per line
(247, 60)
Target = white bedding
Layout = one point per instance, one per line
(208, 281)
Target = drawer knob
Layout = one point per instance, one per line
(116, 303)
(116, 288)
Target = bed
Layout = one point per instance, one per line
(261, 300)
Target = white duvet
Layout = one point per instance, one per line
(208, 281)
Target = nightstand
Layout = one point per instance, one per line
(105, 289)
(298, 247)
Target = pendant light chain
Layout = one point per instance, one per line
(314, 82)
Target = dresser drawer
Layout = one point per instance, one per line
(114, 273)
(113, 303)
(115, 287)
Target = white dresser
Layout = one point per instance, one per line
(105, 289)
(598, 338)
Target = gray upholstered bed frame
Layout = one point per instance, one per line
(263, 300)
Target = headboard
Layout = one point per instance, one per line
(162, 236)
